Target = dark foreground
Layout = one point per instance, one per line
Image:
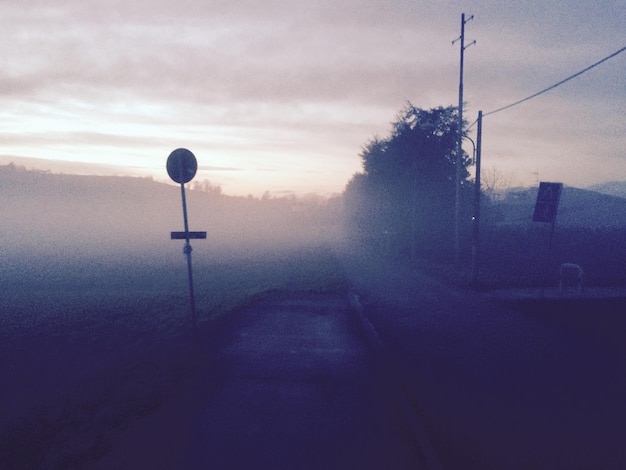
(492, 384)
(296, 381)
(290, 384)
(500, 384)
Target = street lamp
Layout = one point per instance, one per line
(473, 148)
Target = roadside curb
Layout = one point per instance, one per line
(393, 379)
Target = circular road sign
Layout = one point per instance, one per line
(182, 165)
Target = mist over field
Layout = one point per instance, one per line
(53, 225)
(85, 230)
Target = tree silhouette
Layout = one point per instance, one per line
(404, 198)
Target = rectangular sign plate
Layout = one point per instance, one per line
(188, 235)
(547, 203)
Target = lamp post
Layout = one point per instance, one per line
(476, 216)
(473, 147)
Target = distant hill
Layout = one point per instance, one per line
(68, 216)
(612, 188)
(577, 208)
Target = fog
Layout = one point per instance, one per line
(73, 231)
(95, 325)
(82, 227)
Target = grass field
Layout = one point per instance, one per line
(88, 346)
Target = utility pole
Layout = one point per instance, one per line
(476, 217)
(459, 148)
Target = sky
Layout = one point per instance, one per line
(282, 95)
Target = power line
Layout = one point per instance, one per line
(555, 85)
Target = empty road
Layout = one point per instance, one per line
(290, 383)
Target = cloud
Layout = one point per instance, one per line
(216, 168)
(299, 81)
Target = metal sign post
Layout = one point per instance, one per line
(181, 167)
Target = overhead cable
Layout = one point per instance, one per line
(556, 84)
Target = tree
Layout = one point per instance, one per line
(405, 195)
(495, 181)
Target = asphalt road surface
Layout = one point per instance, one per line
(298, 390)
(291, 384)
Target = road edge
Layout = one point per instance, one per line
(393, 379)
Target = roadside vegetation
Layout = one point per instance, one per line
(402, 206)
(519, 256)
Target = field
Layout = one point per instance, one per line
(520, 257)
(88, 346)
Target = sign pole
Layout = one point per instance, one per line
(187, 251)
(547, 263)
(181, 167)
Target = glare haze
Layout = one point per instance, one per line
(281, 95)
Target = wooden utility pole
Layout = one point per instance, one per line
(459, 147)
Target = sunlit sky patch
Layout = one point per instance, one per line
(282, 95)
